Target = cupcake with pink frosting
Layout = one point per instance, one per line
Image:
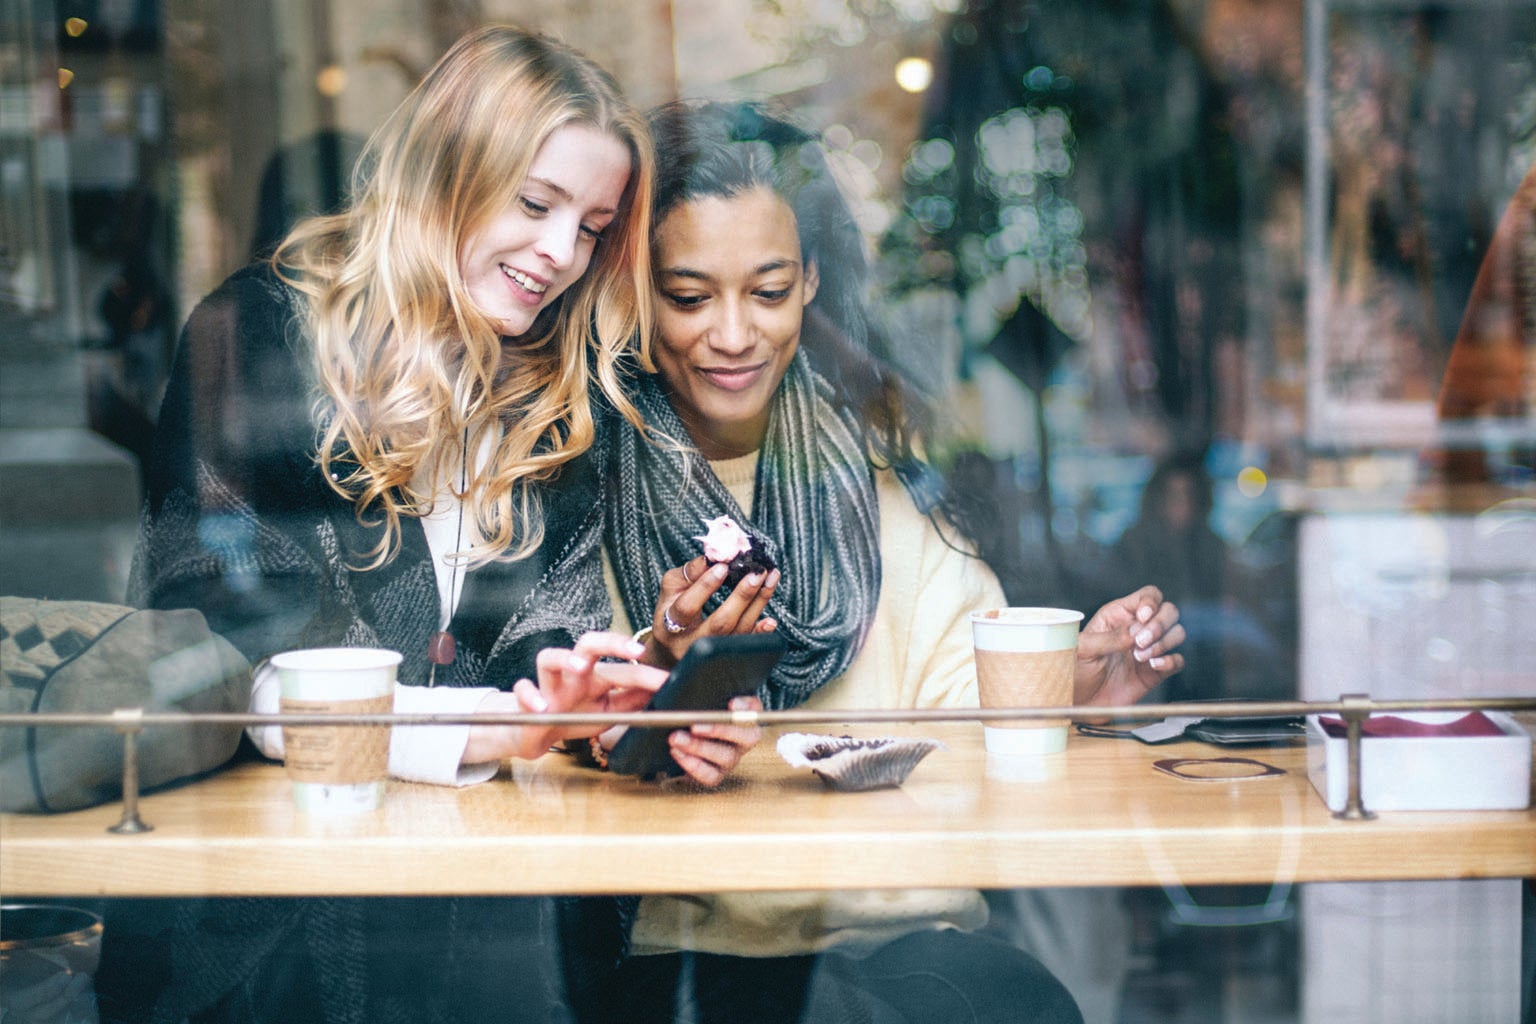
(726, 541)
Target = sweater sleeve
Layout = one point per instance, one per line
(918, 652)
(431, 753)
(952, 584)
(231, 512)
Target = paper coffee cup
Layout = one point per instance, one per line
(1025, 658)
(337, 768)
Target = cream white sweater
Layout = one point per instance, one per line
(917, 655)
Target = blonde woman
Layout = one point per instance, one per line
(378, 438)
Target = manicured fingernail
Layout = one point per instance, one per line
(773, 578)
(576, 663)
(717, 571)
(1140, 654)
(635, 648)
(1144, 612)
(755, 578)
(1157, 662)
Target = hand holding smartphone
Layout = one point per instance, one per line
(715, 669)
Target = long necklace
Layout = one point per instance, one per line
(442, 648)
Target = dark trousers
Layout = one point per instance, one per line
(951, 976)
(384, 960)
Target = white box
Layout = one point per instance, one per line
(1426, 773)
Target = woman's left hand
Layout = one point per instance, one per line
(1127, 648)
(574, 680)
(679, 617)
(708, 752)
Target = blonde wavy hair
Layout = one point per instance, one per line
(408, 367)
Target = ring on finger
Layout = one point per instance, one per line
(670, 624)
(685, 573)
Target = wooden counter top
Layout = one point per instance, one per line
(1101, 816)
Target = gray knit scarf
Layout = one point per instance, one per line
(814, 508)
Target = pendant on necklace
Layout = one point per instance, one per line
(441, 648)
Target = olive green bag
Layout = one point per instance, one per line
(95, 657)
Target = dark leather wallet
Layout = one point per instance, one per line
(1237, 732)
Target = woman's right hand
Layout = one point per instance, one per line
(570, 680)
(679, 617)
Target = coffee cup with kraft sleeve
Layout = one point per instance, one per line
(1025, 658)
(337, 768)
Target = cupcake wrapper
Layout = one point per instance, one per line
(852, 764)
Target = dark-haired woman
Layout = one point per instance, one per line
(776, 403)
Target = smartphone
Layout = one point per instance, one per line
(715, 669)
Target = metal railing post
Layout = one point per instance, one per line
(130, 722)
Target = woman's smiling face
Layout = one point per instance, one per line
(530, 253)
(731, 293)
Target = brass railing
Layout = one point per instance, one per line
(1354, 709)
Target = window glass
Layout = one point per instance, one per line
(1234, 297)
